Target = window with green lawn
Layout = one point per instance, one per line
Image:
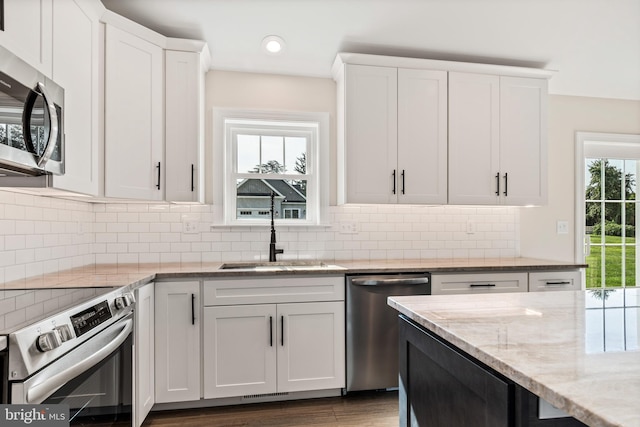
(611, 164)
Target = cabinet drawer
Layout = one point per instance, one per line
(555, 281)
(273, 289)
(442, 284)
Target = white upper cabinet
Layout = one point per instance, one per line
(421, 131)
(392, 135)
(474, 140)
(184, 126)
(134, 117)
(31, 42)
(76, 52)
(369, 139)
(422, 136)
(497, 140)
(523, 140)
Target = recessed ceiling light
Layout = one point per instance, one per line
(273, 44)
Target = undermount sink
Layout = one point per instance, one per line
(278, 266)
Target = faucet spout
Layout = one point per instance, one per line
(272, 245)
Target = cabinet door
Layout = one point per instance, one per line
(474, 139)
(144, 341)
(177, 345)
(76, 49)
(523, 140)
(310, 343)
(134, 125)
(371, 132)
(422, 136)
(183, 127)
(239, 350)
(27, 32)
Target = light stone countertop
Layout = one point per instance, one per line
(579, 350)
(117, 275)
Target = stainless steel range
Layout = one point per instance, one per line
(69, 346)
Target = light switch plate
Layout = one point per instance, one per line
(562, 227)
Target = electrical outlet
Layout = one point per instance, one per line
(562, 227)
(348, 228)
(190, 227)
(471, 227)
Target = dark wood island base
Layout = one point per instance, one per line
(442, 386)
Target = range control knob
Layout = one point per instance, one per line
(65, 332)
(48, 341)
(123, 301)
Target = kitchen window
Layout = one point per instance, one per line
(609, 165)
(281, 153)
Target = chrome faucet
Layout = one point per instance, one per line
(272, 246)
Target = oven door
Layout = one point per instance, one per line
(95, 380)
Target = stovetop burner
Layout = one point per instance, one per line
(21, 308)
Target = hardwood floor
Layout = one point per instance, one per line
(370, 409)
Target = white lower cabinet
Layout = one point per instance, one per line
(544, 281)
(446, 284)
(144, 353)
(256, 349)
(177, 345)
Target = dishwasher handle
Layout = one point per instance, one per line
(390, 281)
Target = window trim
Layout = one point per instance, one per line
(223, 159)
(616, 142)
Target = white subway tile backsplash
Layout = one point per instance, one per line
(77, 233)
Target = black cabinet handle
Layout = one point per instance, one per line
(282, 331)
(192, 177)
(506, 182)
(498, 184)
(402, 181)
(158, 184)
(193, 309)
(394, 181)
(270, 331)
(557, 283)
(482, 285)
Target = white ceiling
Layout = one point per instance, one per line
(593, 44)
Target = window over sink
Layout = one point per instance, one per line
(263, 153)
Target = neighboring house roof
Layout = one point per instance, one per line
(263, 188)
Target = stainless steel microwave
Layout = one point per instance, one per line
(31, 122)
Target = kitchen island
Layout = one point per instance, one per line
(577, 350)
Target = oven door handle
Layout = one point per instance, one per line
(41, 391)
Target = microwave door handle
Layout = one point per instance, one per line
(46, 388)
(52, 139)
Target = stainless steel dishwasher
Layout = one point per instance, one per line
(372, 327)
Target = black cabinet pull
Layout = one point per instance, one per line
(193, 309)
(158, 184)
(557, 283)
(506, 182)
(402, 181)
(270, 331)
(192, 177)
(482, 285)
(282, 331)
(498, 184)
(394, 181)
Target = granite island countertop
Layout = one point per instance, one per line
(116, 275)
(579, 350)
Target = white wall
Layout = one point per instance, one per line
(568, 115)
